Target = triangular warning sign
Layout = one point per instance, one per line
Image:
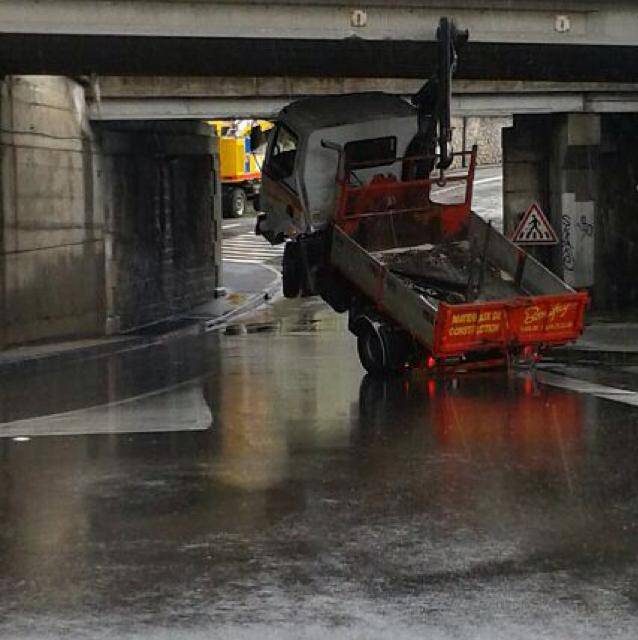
(534, 228)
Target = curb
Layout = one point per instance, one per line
(41, 361)
(249, 305)
(589, 356)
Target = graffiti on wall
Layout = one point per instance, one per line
(577, 241)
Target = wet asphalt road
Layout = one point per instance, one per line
(257, 485)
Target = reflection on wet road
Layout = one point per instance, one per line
(319, 503)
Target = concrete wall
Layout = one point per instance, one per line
(51, 242)
(526, 148)
(484, 131)
(583, 171)
(616, 242)
(99, 230)
(157, 180)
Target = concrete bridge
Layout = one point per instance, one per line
(587, 40)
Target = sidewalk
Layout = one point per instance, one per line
(608, 342)
(247, 285)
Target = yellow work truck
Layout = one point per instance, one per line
(239, 164)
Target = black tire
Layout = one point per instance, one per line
(237, 203)
(291, 270)
(371, 349)
(382, 351)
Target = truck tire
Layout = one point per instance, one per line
(291, 270)
(382, 351)
(371, 350)
(237, 203)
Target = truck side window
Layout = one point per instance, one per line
(373, 152)
(282, 155)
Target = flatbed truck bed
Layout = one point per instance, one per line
(444, 280)
(540, 311)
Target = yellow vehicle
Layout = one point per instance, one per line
(239, 164)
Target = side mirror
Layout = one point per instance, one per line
(257, 137)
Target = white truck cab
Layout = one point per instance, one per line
(299, 188)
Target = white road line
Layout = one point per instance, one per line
(492, 179)
(249, 249)
(242, 261)
(252, 243)
(251, 254)
(233, 225)
(178, 407)
(590, 388)
(253, 248)
(247, 245)
(461, 185)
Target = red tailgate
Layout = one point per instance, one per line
(531, 320)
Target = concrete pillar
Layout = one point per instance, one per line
(100, 229)
(217, 224)
(574, 175)
(161, 219)
(616, 228)
(51, 245)
(525, 167)
(553, 160)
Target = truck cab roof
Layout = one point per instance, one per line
(322, 112)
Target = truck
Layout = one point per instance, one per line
(374, 207)
(239, 164)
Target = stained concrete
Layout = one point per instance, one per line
(100, 230)
(581, 169)
(52, 251)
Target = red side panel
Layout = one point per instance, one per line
(465, 327)
(548, 319)
(552, 319)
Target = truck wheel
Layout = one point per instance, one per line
(291, 268)
(371, 349)
(237, 203)
(382, 351)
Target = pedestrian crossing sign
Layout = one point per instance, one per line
(534, 228)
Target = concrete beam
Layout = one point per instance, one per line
(590, 22)
(224, 108)
(591, 40)
(250, 87)
(122, 98)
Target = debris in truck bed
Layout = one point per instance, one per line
(443, 271)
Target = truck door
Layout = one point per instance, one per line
(279, 184)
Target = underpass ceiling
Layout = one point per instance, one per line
(354, 57)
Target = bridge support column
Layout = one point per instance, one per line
(616, 285)
(526, 148)
(51, 236)
(104, 229)
(161, 222)
(554, 160)
(574, 178)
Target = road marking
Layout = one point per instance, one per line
(460, 185)
(250, 249)
(178, 407)
(233, 225)
(589, 388)
(492, 179)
